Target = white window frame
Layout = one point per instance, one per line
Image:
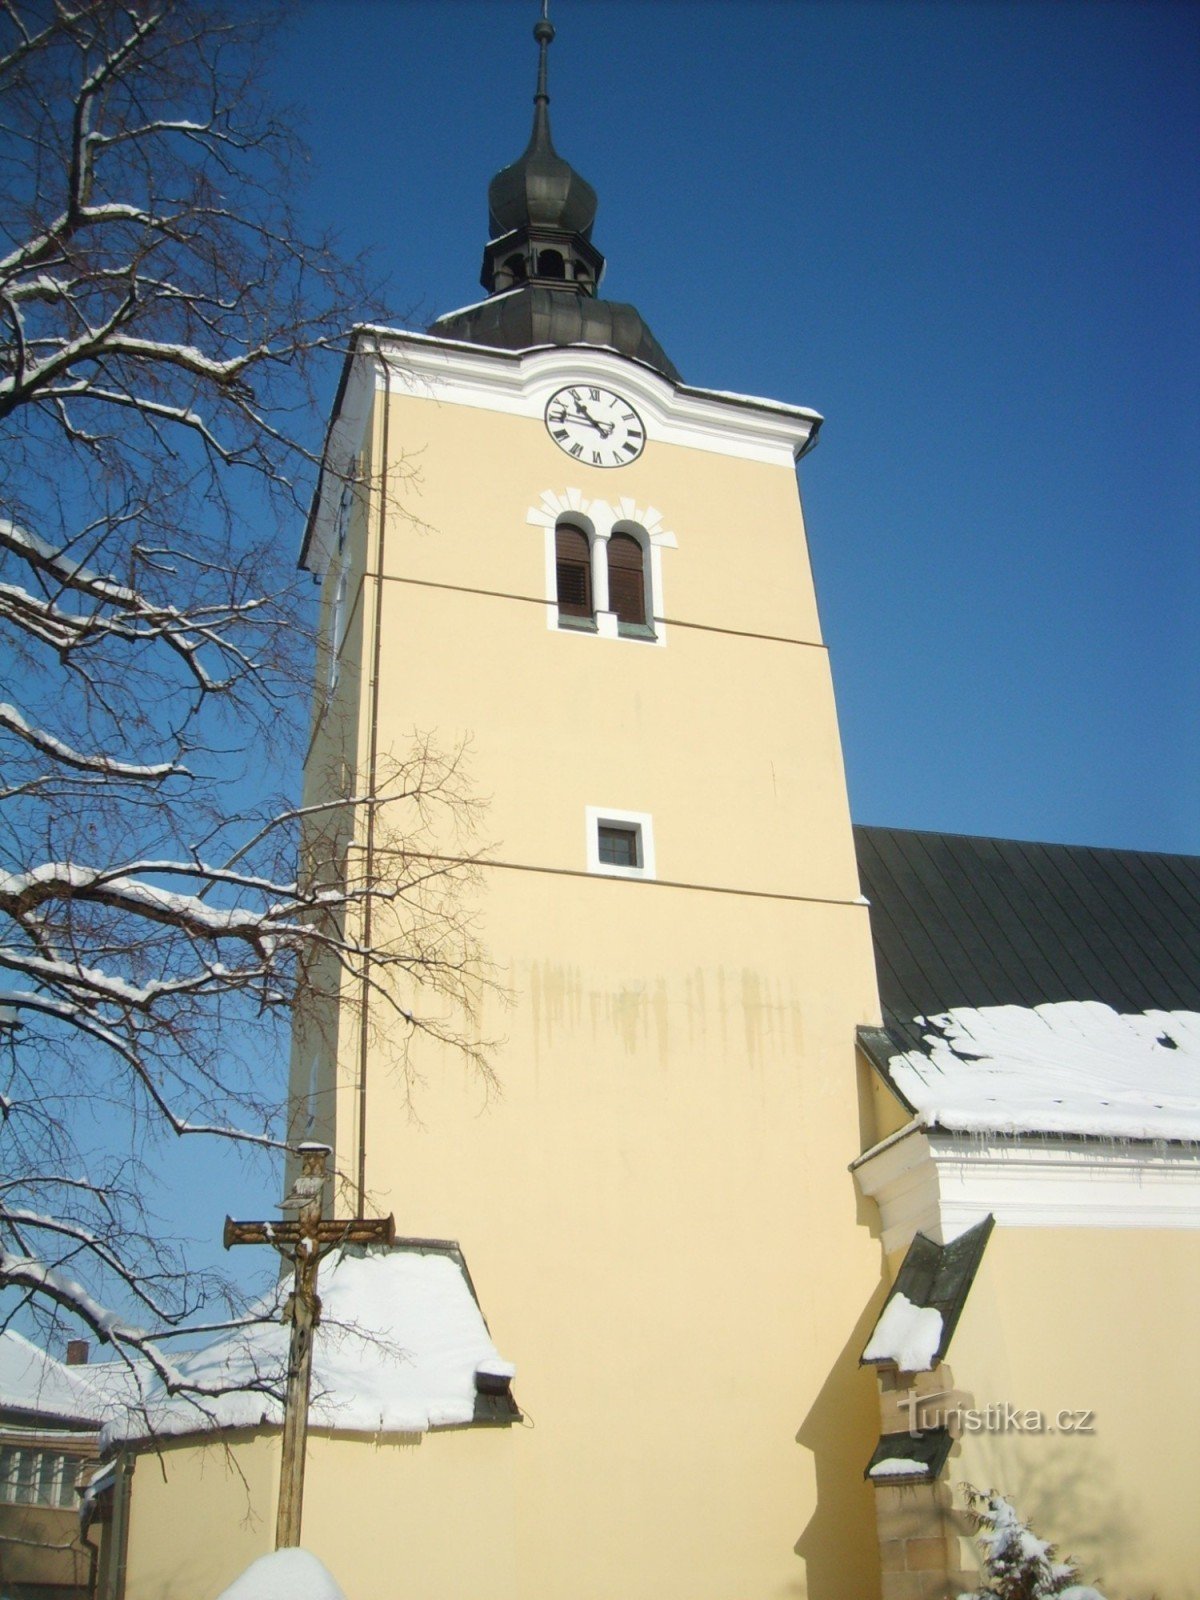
(21, 1476)
(613, 816)
(598, 519)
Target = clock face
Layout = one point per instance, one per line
(596, 426)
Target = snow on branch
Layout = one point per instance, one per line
(168, 907)
(108, 766)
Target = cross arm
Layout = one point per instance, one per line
(329, 1231)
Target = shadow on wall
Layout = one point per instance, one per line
(1068, 1496)
(839, 1546)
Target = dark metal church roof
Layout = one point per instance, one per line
(537, 315)
(962, 921)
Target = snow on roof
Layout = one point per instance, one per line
(1070, 1067)
(32, 1381)
(284, 1575)
(907, 1334)
(396, 1351)
(897, 1467)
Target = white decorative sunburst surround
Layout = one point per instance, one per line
(600, 519)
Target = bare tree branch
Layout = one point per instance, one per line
(167, 908)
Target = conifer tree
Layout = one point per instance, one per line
(1016, 1563)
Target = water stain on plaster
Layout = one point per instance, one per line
(639, 1011)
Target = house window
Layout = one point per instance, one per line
(573, 555)
(620, 844)
(627, 581)
(618, 847)
(36, 1477)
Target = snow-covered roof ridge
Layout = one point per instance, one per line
(400, 1341)
(35, 1383)
(1067, 1067)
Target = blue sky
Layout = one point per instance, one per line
(968, 234)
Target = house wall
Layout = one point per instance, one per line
(411, 1514)
(200, 1512)
(653, 1197)
(40, 1544)
(1095, 1321)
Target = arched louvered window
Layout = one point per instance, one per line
(574, 564)
(626, 579)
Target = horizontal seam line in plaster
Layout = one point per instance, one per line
(667, 622)
(658, 883)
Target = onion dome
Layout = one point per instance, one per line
(541, 190)
(540, 267)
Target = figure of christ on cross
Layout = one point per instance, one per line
(304, 1243)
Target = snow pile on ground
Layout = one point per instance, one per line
(396, 1351)
(1070, 1067)
(907, 1334)
(284, 1575)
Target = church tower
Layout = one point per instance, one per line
(538, 545)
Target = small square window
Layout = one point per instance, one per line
(620, 844)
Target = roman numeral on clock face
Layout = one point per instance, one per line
(595, 426)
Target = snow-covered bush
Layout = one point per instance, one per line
(1016, 1563)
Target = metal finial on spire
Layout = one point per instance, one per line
(543, 32)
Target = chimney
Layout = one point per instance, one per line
(77, 1352)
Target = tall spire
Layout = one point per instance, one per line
(540, 267)
(542, 191)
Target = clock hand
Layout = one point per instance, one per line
(602, 428)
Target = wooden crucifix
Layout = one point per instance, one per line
(304, 1243)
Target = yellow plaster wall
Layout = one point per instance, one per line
(199, 1513)
(654, 1201)
(887, 1115)
(430, 1515)
(1102, 1321)
(414, 1514)
(655, 1204)
(463, 478)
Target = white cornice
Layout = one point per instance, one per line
(519, 383)
(941, 1184)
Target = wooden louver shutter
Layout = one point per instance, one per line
(574, 558)
(626, 584)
